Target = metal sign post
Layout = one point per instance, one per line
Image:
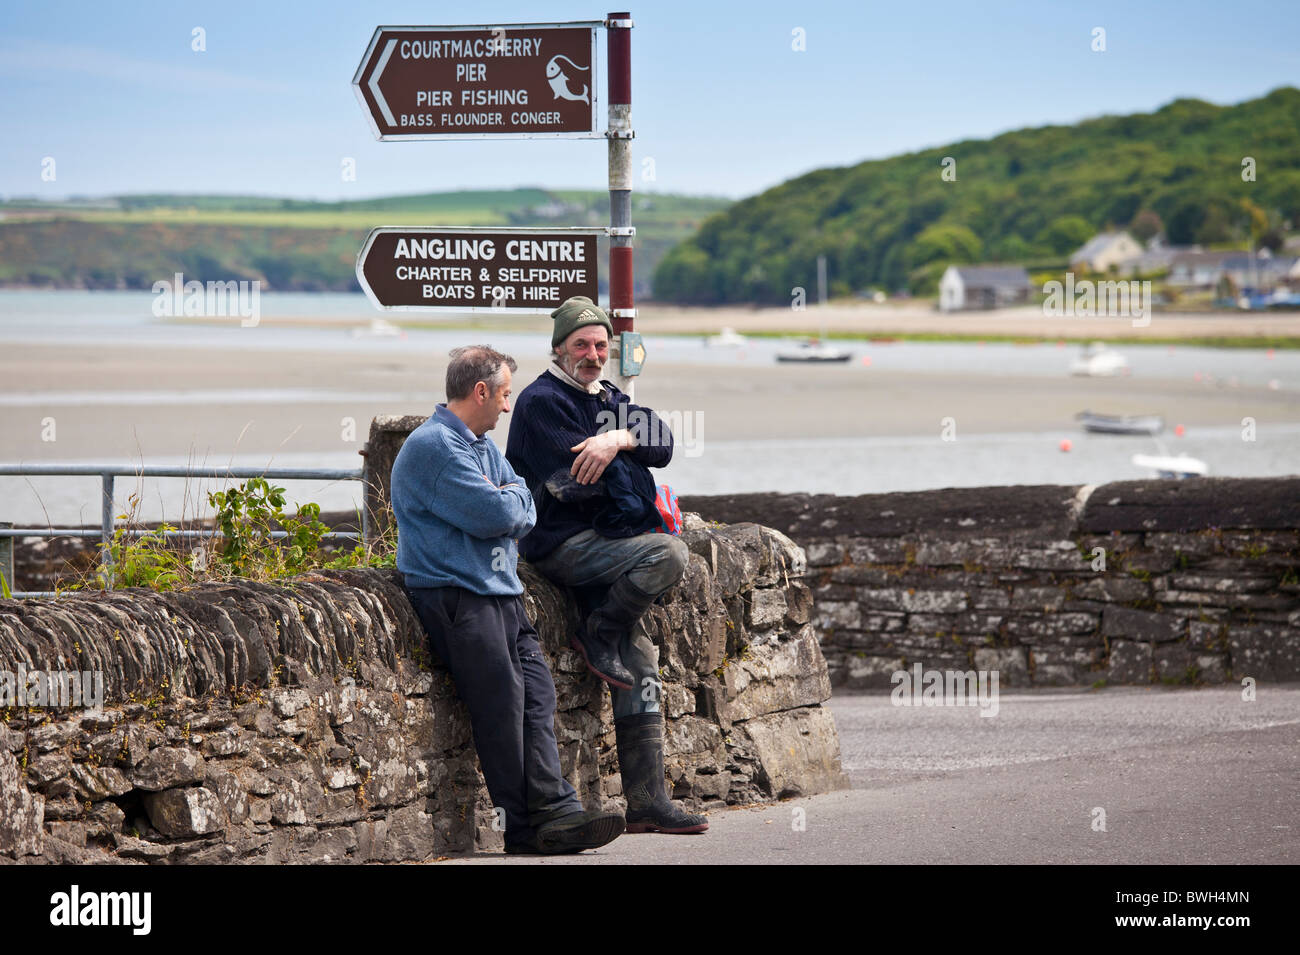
(622, 308)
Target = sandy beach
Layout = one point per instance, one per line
(219, 403)
(900, 416)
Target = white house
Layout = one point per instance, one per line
(1106, 249)
(982, 286)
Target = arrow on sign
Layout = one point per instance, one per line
(374, 84)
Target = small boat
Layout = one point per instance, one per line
(727, 338)
(1098, 361)
(816, 351)
(1176, 467)
(1120, 424)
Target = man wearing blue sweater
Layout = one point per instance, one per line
(585, 451)
(460, 509)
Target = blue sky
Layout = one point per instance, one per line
(721, 102)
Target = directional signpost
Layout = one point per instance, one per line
(475, 270)
(517, 81)
(522, 80)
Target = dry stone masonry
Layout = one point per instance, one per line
(1134, 582)
(306, 722)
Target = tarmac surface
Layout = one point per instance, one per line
(1176, 776)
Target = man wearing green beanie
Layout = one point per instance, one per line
(576, 313)
(588, 471)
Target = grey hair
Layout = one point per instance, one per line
(471, 364)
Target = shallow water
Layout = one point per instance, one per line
(706, 463)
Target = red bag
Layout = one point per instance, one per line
(670, 513)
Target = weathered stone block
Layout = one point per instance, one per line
(779, 676)
(913, 600)
(1112, 589)
(766, 608)
(1050, 627)
(836, 615)
(877, 550)
(193, 811)
(798, 752)
(1040, 599)
(99, 782)
(1011, 664)
(868, 672)
(1129, 662)
(824, 554)
(1267, 653)
(1065, 666)
(1057, 555)
(1127, 624)
(21, 812)
(799, 604)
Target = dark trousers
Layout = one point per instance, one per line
(502, 678)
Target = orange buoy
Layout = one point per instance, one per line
(1178, 430)
(1066, 444)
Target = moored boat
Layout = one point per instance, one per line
(814, 350)
(1120, 424)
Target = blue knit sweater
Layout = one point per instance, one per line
(455, 529)
(550, 417)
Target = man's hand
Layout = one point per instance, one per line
(595, 453)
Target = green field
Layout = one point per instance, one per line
(289, 244)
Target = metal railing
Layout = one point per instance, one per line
(108, 473)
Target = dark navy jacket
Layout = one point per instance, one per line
(550, 417)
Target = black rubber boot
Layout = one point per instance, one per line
(605, 629)
(589, 829)
(641, 763)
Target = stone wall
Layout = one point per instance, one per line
(306, 722)
(1134, 582)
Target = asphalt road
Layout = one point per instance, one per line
(1180, 776)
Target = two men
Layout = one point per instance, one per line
(460, 508)
(596, 528)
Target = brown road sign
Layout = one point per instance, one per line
(519, 80)
(477, 269)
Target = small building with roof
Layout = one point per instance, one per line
(964, 287)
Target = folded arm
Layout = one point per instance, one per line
(465, 497)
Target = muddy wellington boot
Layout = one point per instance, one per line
(641, 763)
(576, 832)
(605, 629)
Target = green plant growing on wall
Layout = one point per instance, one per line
(143, 561)
(246, 515)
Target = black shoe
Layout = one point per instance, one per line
(529, 847)
(601, 657)
(589, 829)
(641, 763)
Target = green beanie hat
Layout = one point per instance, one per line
(575, 313)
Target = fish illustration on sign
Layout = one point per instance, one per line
(559, 80)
